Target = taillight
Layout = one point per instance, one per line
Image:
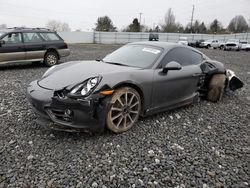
(66, 45)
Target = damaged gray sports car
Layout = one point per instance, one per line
(138, 79)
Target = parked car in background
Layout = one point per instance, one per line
(206, 43)
(245, 45)
(183, 41)
(218, 44)
(153, 37)
(233, 44)
(195, 43)
(31, 45)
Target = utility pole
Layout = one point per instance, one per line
(140, 19)
(192, 18)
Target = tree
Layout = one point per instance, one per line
(134, 26)
(105, 24)
(238, 24)
(202, 28)
(179, 28)
(65, 27)
(196, 27)
(57, 25)
(216, 26)
(169, 24)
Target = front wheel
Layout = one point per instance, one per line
(216, 87)
(124, 111)
(51, 58)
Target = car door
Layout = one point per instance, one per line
(34, 46)
(12, 48)
(177, 86)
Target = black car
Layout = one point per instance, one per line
(153, 37)
(31, 44)
(138, 79)
(195, 43)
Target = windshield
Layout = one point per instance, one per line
(1, 33)
(134, 56)
(243, 42)
(232, 40)
(209, 40)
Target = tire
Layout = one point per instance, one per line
(208, 46)
(124, 111)
(216, 87)
(50, 58)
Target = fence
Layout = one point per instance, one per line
(126, 37)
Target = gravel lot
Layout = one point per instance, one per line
(205, 145)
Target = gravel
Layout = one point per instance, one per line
(204, 145)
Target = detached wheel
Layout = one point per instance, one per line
(216, 87)
(51, 58)
(124, 111)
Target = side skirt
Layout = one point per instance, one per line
(193, 100)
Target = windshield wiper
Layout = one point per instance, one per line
(109, 62)
(114, 63)
(99, 60)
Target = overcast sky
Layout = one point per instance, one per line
(82, 14)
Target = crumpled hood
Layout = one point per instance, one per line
(75, 72)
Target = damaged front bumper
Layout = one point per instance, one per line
(65, 113)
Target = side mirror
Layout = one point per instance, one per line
(173, 65)
(2, 42)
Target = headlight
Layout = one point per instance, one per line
(48, 71)
(86, 87)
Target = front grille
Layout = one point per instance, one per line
(61, 94)
(60, 115)
(230, 44)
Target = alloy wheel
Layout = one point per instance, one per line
(124, 111)
(51, 59)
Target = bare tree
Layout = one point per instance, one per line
(169, 24)
(57, 25)
(238, 24)
(65, 27)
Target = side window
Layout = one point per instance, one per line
(49, 36)
(13, 38)
(31, 37)
(196, 58)
(184, 56)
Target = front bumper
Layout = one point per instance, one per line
(85, 113)
(232, 47)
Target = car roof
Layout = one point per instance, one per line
(23, 29)
(164, 45)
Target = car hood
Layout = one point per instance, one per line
(71, 73)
